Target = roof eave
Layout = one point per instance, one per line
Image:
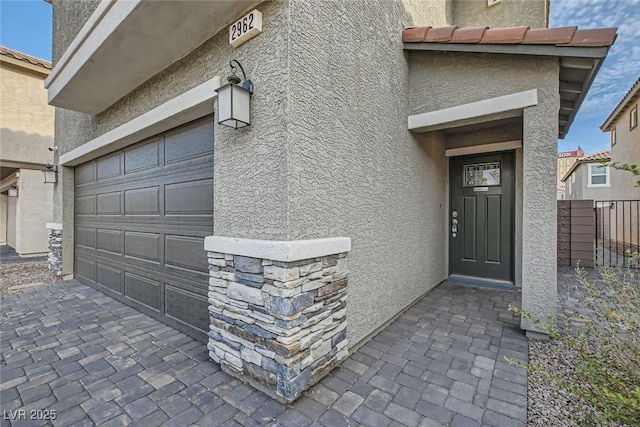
(630, 96)
(596, 54)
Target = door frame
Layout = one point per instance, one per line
(516, 241)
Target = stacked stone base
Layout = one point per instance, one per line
(279, 326)
(55, 248)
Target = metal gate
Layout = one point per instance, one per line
(617, 233)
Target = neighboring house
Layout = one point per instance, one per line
(622, 124)
(624, 212)
(378, 163)
(589, 178)
(566, 159)
(26, 132)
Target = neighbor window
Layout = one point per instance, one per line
(598, 175)
(613, 137)
(633, 118)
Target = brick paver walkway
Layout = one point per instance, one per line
(68, 348)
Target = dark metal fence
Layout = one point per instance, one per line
(617, 233)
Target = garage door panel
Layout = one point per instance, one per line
(187, 307)
(143, 156)
(182, 251)
(86, 269)
(142, 214)
(86, 205)
(189, 141)
(85, 173)
(142, 201)
(109, 203)
(110, 277)
(189, 198)
(109, 241)
(86, 237)
(143, 290)
(142, 245)
(110, 166)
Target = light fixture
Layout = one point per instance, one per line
(234, 100)
(13, 192)
(50, 174)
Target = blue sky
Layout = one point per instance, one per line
(619, 71)
(26, 26)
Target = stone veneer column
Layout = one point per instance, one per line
(278, 310)
(55, 247)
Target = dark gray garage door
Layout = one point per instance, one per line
(141, 217)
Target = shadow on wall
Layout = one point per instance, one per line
(18, 144)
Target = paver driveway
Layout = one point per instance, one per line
(68, 348)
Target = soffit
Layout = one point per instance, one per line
(580, 53)
(125, 43)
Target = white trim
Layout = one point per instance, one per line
(483, 148)
(100, 25)
(589, 176)
(278, 250)
(191, 105)
(54, 225)
(487, 107)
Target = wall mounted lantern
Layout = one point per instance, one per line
(12, 192)
(234, 100)
(50, 174)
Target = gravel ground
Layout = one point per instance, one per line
(22, 273)
(547, 405)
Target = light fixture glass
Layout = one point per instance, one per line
(12, 192)
(234, 100)
(50, 174)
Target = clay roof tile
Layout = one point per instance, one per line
(593, 38)
(440, 34)
(468, 35)
(549, 35)
(414, 34)
(510, 35)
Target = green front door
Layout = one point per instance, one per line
(481, 216)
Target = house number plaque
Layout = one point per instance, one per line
(245, 28)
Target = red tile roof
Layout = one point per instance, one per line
(591, 158)
(26, 58)
(564, 36)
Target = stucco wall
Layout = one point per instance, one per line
(354, 169)
(579, 190)
(439, 81)
(509, 13)
(12, 204)
(250, 164)
(626, 150)
(3, 219)
(33, 213)
(26, 120)
(69, 16)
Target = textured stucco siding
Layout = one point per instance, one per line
(354, 169)
(509, 13)
(33, 213)
(3, 219)
(626, 150)
(442, 80)
(250, 164)
(580, 189)
(69, 16)
(12, 207)
(26, 119)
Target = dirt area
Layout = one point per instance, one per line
(22, 273)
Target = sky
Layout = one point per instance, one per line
(26, 26)
(619, 71)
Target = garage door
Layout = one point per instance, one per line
(141, 217)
